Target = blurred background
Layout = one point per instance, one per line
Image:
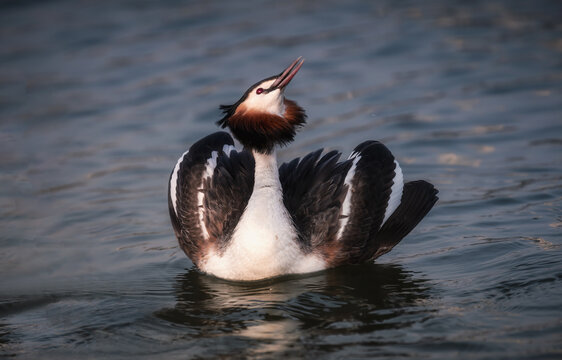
(98, 99)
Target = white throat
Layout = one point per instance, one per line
(270, 102)
(265, 242)
(267, 173)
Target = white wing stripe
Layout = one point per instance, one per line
(174, 182)
(346, 207)
(395, 193)
(209, 170)
(227, 149)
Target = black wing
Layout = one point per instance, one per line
(417, 199)
(213, 183)
(371, 187)
(313, 193)
(316, 191)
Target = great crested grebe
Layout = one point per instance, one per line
(238, 216)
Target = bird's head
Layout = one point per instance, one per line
(263, 117)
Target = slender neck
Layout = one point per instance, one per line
(267, 173)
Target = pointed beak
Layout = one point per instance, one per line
(286, 76)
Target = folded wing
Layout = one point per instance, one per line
(209, 189)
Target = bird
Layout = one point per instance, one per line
(239, 216)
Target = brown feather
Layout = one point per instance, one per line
(294, 114)
(262, 131)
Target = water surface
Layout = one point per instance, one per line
(99, 98)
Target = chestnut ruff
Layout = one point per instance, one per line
(262, 131)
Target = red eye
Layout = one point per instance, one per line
(259, 91)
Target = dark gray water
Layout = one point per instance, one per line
(99, 98)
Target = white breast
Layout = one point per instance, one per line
(265, 242)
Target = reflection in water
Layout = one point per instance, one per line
(272, 314)
(5, 336)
